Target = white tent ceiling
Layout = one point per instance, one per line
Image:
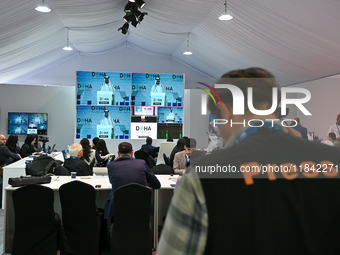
(297, 40)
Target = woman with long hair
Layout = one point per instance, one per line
(102, 154)
(28, 148)
(88, 153)
(12, 144)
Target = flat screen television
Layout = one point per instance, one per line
(23, 123)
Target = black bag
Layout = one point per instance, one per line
(24, 180)
(41, 165)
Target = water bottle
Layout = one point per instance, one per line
(68, 151)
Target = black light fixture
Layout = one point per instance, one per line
(140, 3)
(132, 14)
(134, 23)
(124, 28)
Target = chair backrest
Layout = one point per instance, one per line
(131, 233)
(162, 169)
(142, 154)
(151, 161)
(79, 217)
(166, 148)
(36, 231)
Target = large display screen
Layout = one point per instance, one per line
(116, 105)
(23, 123)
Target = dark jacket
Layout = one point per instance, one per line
(127, 170)
(6, 156)
(79, 166)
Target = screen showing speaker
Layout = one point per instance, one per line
(23, 123)
(116, 105)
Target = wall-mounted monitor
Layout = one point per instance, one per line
(132, 102)
(23, 123)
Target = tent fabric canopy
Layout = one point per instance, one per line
(296, 40)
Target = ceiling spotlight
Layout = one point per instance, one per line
(140, 15)
(224, 15)
(43, 7)
(130, 8)
(134, 23)
(128, 17)
(124, 28)
(187, 52)
(140, 3)
(67, 47)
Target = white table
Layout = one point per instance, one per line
(17, 169)
(160, 204)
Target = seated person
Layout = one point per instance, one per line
(330, 139)
(148, 146)
(183, 157)
(88, 153)
(12, 144)
(102, 154)
(94, 142)
(75, 164)
(6, 156)
(28, 148)
(126, 170)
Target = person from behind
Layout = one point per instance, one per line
(28, 148)
(335, 128)
(13, 144)
(6, 156)
(125, 170)
(266, 185)
(183, 157)
(88, 153)
(94, 142)
(102, 154)
(298, 127)
(148, 146)
(74, 162)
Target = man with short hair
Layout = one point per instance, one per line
(126, 170)
(256, 195)
(330, 139)
(74, 162)
(148, 146)
(335, 128)
(183, 157)
(6, 156)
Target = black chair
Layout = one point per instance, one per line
(166, 159)
(142, 154)
(151, 161)
(130, 232)
(37, 226)
(162, 169)
(81, 226)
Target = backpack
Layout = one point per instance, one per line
(41, 165)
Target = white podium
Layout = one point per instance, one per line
(104, 131)
(158, 98)
(105, 98)
(170, 119)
